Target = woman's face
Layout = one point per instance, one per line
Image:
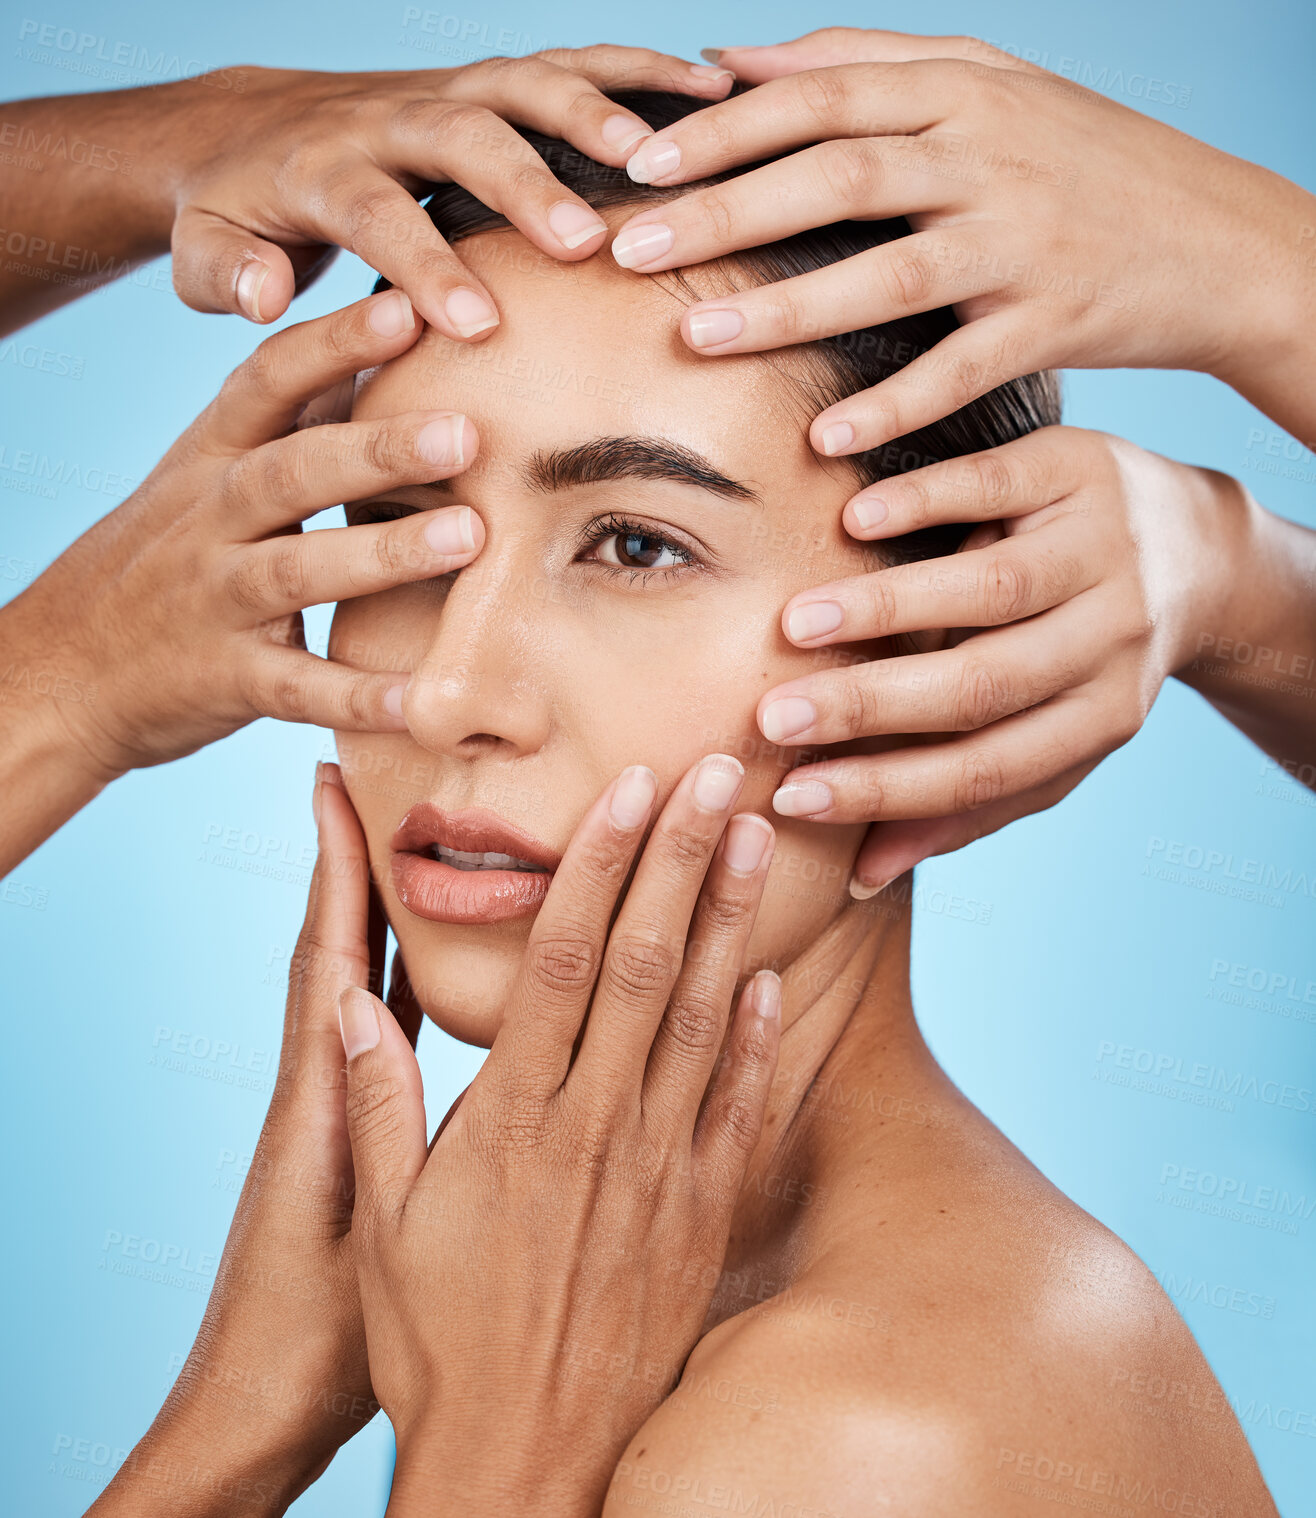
(647, 515)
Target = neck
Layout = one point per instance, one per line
(851, 1056)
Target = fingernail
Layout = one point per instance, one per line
(803, 798)
(391, 315)
(703, 71)
(814, 620)
(469, 312)
(862, 892)
(440, 441)
(709, 328)
(622, 132)
(786, 717)
(836, 437)
(249, 283)
(713, 54)
(574, 224)
(765, 995)
(641, 245)
(315, 792)
(451, 532)
(746, 842)
(868, 512)
(717, 782)
(393, 700)
(632, 797)
(358, 1021)
(652, 161)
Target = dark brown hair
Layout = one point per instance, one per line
(848, 363)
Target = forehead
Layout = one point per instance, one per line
(589, 349)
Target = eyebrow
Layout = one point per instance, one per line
(630, 458)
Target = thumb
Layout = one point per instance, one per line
(385, 1106)
(222, 267)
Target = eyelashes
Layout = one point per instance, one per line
(645, 537)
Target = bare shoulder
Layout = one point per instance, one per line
(964, 1368)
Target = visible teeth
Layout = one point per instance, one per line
(461, 860)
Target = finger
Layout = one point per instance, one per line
(284, 574)
(385, 1110)
(291, 479)
(218, 266)
(892, 848)
(822, 106)
(986, 353)
(960, 689)
(1010, 580)
(833, 45)
(332, 949)
(731, 1117)
(647, 945)
(866, 178)
(296, 686)
(263, 398)
(960, 774)
(565, 949)
(612, 67)
(371, 215)
(560, 93)
(694, 1023)
(477, 149)
(1024, 475)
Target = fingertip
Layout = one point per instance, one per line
(765, 996)
(358, 1021)
(832, 436)
(264, 286)
(865, 516)
(467, 313)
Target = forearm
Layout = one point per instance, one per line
(45, 774)
(86, 192)
(1252, 654)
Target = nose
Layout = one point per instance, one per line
(477, 690)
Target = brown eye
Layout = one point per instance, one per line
(639, 550)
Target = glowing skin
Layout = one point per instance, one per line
(552, 665)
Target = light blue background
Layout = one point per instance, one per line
(139, 918)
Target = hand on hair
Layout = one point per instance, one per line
(534, 1282)
(278, 1377)
(1064, 229)
(255, 176)
(1098, 571)
(176, 619)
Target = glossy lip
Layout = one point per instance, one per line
(440, 892)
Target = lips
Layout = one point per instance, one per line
(468, 867)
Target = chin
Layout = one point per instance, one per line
(462, 977)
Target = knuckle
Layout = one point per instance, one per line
(245, 586)
(563, 964)
(851, 170)
(716, 213)
(368, 206)
(463, 118)
(983, 696)
(993, 480)
(825, 95)
(285, 571)
(738, 1118)
(981, 780)
(911, 277)
(693, 1025)
(1007, 588)
(882, 599)
(684, 853)
(373, 1107)
(857, 707)
(640, 968)
(722, 916)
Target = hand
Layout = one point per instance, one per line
(1065, 230)
(278, 1378)
(266, 185)
(1087, 586)
(177, 618)
(522, 1312)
